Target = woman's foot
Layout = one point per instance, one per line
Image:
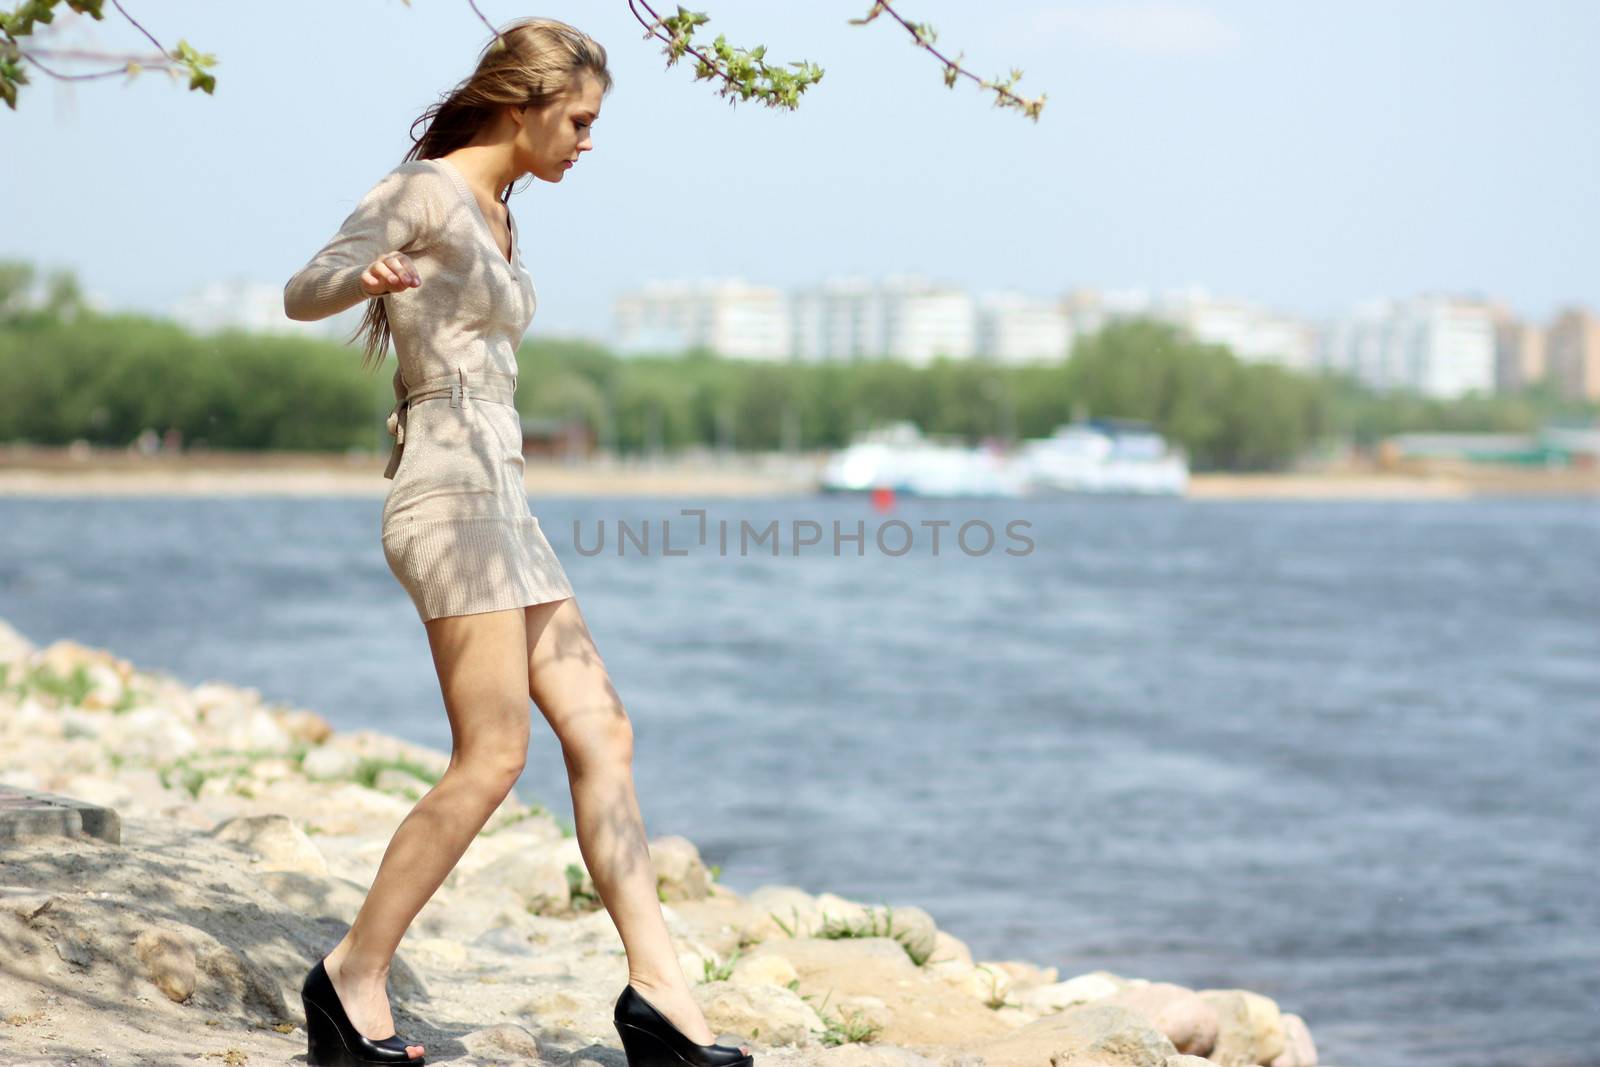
(678, 1005)
(366, 1000)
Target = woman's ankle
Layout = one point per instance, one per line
(352, 965)
(658, 983)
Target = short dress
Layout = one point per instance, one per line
(457, 530)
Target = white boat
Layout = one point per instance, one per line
(898, 457)
(1099, 456)
(1103, 456)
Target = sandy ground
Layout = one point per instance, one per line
(67, 473)
(1438, 483)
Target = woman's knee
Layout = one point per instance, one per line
(604, 742)
(493, 772)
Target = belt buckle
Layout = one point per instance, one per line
(396, 422)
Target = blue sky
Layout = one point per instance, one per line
(1302, 155)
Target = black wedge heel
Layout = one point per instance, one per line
(331, 1039)
(650, 1039)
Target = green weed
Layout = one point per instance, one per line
(367, 771)
(718, 972)
(581, 897)
(192, 771)
(71, 689)
(869, 928)
(838, 1030)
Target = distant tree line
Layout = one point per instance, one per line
(72, 374)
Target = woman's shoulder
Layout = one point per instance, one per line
(415, 174)
(411, 178)
(418, 166)
(415, 187)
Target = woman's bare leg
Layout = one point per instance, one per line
(569, 683)
(480, 661)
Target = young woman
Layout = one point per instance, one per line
(434, 250)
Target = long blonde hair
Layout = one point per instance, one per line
(529, 63)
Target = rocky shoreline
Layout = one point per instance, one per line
(250, 831)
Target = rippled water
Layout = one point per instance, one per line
(1343, 754)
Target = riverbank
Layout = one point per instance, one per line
(114, 472)
(1422, 482)
(250, 831)
(111, 472)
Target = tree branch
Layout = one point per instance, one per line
(20, 23)
(145, 63)
(742, 71)
(924, 35)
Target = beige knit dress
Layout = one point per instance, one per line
(457, 530)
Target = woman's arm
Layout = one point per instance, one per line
(398, 214)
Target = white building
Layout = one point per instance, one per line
(925, 320)
(1252, 333)
(728, 317)
(904, 317)
(841, 319)
(1013, 329)
(1091, 310)
(1439, 345)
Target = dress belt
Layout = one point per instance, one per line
(460, 386)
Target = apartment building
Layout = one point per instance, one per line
(1017, 329)
(729, 317)
(1436, 344)
(1574, 354)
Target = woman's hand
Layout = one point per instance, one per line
(391, 272)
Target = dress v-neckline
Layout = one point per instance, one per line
(466, 192)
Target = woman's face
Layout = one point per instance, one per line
(553, 138)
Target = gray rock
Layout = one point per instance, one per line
(503, 1044)
(858, 1055)
(281, 844)
(509, 940)
(1298, 1048)
(912, 927)
(31, 813)
(537, 876)
(148, 734)
(680, 873)
(774, 1013)
(1188, 1019)
(400, 783)
(327, 762)
(1250, 1028)
(1093, 1033)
